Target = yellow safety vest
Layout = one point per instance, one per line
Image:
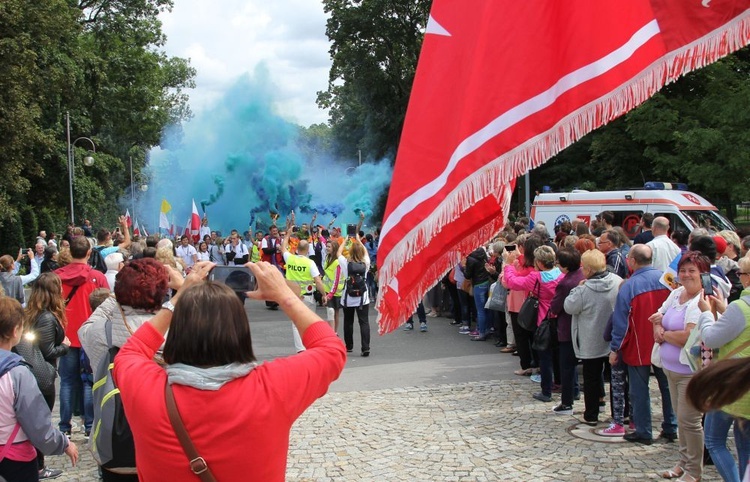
(329, 278)
(298, 270)
(255, 254)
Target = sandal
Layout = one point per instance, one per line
(673, 473)
(523, 373)
(688, 478)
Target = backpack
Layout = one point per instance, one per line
(356, 285)
(96, 260)
(112, 440)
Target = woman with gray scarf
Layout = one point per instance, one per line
(140, 289)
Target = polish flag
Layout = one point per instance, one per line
(503, 86)
(127, 218)
(195, 224)
(143, 229)
(136, 231)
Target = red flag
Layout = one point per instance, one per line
(503, 86)
(136, 230)
(127, 218)
(195, 224)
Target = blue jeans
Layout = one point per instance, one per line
(421, 314)
(483, 315)
(568, 372)
(545, 370)
(640, 401)
(716, 429)
(69, 367)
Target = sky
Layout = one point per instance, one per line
(227, 38)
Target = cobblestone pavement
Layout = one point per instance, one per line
(482, 431)
(479, 431)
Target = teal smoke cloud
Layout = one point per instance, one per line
(240, 160)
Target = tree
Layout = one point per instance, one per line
(99, 60)
(693, 131)
(374, 46)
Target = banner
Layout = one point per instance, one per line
(503, 86)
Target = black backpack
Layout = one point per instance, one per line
(96, 260)
(356, 284)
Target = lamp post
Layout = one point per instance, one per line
(87, 161)
(143, 187)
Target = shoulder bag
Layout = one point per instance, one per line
(198, 464)
(543, 334)
(529, 312)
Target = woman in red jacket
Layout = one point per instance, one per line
(237, 414)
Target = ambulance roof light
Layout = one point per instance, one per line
(662, 186)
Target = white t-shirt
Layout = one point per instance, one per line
(186, 253)
(353, 301)
(204, 256)
(663, 251)
(239, 251)
(205, 230)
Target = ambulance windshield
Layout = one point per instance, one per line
(711, 220)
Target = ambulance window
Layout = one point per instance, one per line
(675, 222)
(630, 221)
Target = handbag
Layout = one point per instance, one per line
(543, 335)
(43, 371)
(498, 297)
(468, 287)
(656, 355)
(198, 464)
(529, 312)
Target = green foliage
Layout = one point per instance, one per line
(30, 226)
(47, 222)
(374, 46)
(11, 238)
(693, 131)
(99, 60)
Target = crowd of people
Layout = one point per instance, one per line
(622, 310)
(98, 294)
(582, 296)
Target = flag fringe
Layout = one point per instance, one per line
(533, 153)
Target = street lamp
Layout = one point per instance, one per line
(88, 161)
(143, 187)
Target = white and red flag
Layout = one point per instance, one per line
(136, 229)
(502, 86)
(127, 218)
(194, 224)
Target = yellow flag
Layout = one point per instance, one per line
(165, 206)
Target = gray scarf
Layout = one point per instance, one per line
(207, 378)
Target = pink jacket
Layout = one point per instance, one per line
(548, 280)
(516, 297)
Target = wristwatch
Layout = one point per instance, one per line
(167, 305)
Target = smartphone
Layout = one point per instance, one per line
(510, 247)
(706, 284)
(239, 278)
(351, 230)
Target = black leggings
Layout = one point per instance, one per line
(50, 399)
(364, 326)
(524, 338)
(12, 470)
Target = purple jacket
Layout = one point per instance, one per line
(567, 283)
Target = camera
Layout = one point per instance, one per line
(239, 278)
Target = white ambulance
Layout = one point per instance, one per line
(684, 209)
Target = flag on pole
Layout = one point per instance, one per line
(136, 231)
(163, 221)
(503, 86)
(143, 230)
(127, 218)
(195, 223)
